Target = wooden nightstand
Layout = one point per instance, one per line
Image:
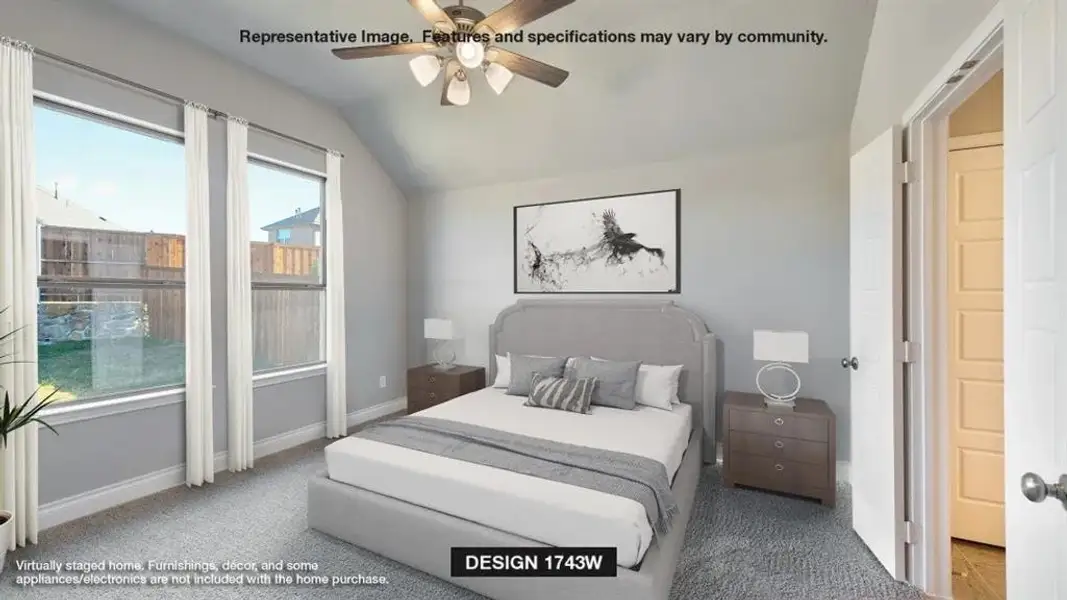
(794, 452)
(428, 386)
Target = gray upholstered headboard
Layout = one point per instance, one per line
(654, 332)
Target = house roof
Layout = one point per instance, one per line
(64, 212)
(307, 217)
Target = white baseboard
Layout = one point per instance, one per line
(842, 465)
(103, 498)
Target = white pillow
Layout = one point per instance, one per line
(657, 385)
(503, 369)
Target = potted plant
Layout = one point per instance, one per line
(15, 416)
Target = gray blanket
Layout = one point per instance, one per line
(635, 477)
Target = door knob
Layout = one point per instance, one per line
(1036, 490)
(852, 362)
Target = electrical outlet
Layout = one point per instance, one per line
(381, 381)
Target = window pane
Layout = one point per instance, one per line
(285, 220)
(110, 201)
(287, 327)
(92, 342)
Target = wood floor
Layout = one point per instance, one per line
(977, 571)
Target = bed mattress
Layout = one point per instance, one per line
(545, 511)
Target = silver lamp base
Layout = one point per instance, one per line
(444, 358)
(778, 402)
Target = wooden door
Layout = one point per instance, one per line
(975, 298)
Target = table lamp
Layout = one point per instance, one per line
(442, 331)
(779, 349)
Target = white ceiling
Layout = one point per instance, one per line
(622, 105)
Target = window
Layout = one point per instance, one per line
(111, 224)
(288, 286)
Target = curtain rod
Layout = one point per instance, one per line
(172, 98)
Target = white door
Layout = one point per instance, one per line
(875, 324)
(1035, 292)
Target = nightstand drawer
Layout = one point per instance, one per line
(430, 382)
(780, 475)
(422, 399)
(781, 424)
(780, 447)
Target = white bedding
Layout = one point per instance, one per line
(553, 513)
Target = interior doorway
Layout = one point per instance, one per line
(973, 302)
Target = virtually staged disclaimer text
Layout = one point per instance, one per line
(181, 573)
(572, 36)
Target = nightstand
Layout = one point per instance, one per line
(428, 386)
(793, 452)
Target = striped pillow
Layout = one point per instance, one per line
(573, 395)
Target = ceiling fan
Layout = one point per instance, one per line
(463, 38)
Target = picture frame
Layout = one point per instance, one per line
(619, 244)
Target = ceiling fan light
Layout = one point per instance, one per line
(498, 76)
(425, 68)
(459, 91)
(470, 54)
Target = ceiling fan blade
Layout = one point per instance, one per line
(528, 67)
(450, 71)
(433, 12)
(519, 13)
(382, 50)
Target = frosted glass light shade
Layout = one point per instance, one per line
(470, 54)
(498, 77)
(438, 329)
(459, 91)
(780, 346)
(425, 68)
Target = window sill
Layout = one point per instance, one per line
(87, 410)
(286, 375)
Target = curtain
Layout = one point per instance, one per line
(199, 442)
(239, 300)
(336, 400)
(18, 284)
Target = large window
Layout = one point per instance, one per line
(111, 213)
(288, 286)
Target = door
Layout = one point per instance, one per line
(975, 299)
(1035, 293)
(875, 371)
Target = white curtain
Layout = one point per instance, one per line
(199, 442)
(336, 399)
(239, 300)
(18, 283)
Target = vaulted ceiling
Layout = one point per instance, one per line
(623, 104)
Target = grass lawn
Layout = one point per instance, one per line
(90, 368)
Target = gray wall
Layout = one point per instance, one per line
(910, 41)
(90, 454)
(764, 245)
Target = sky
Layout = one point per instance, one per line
(137, 181)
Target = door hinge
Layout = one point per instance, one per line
(911, 532)
(909, 352)
(905, 171)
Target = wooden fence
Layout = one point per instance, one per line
(286, 323)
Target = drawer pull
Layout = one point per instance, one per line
(431, 379)
(779, 468)
(779, 421)
(432, 395)
(779, 444)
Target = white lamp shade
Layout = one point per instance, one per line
(438, 329)
(780, 346)
(459, 91)
(425, 69)
(498, 77)
(470, 54)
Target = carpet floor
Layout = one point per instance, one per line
(740, 545)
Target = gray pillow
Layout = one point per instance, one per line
(524, 367)
(572, 395)
(616, 381)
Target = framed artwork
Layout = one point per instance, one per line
(628, 244)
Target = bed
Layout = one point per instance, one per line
(377, 496)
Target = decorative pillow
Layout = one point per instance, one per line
(572, 395)
(616, 381)
(523, 368)
(657, 385)
(503, 370)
